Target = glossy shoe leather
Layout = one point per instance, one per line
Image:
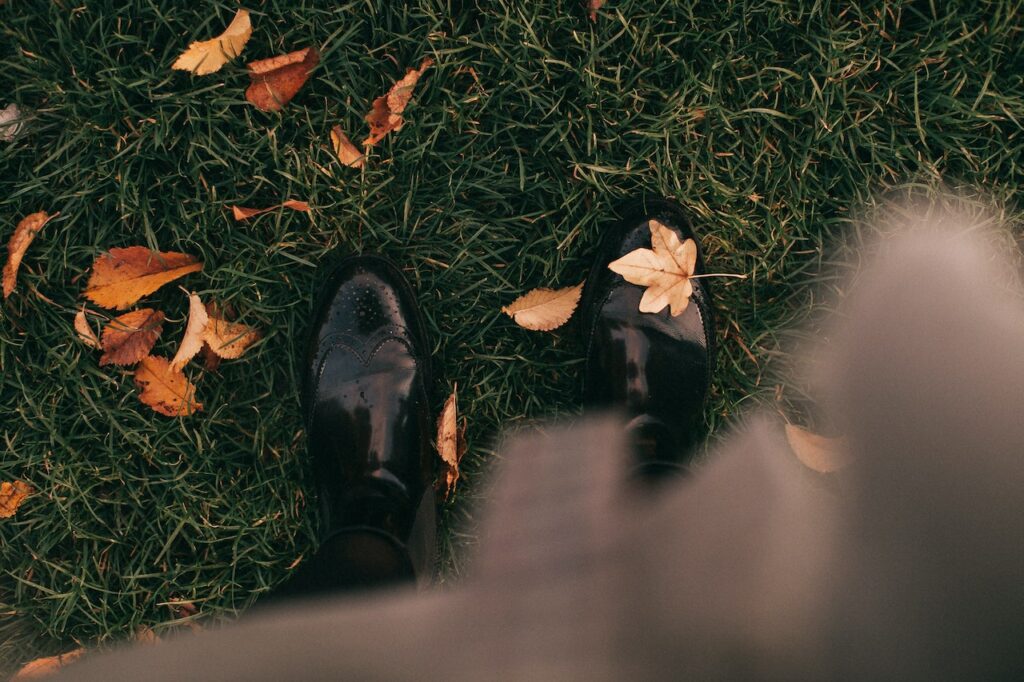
(655, 367)
(368, 422)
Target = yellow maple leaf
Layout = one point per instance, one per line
(665, 270)
(207, 56)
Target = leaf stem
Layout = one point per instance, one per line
(717, 274)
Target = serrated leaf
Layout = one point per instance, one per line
(544, 309)
(167, 391)
(665, 270)
(123, 276)
(24, 233)
(208, 56)
(128, 338)
(228, 340)
(12, 494)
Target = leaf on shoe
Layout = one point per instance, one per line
(208, 56)
(12, 494)
(818, 453)
(665, 270)
(346, 152)
(243, 213)
(44, 667)
(277, 80)
(386, 114)
(84, 330)
(226, 339)
(168, 392)
(23, 235)
(12, 120)
(123, 276)
(544, 309)
(128, 338)
(192, 341)
(451, 444)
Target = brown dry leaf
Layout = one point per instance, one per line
(243, 213)
(145, 635)
(128, 338)
(192, 341)
(84, 330)
(276, 80)
(12, 494)
(166, 391)
(386, 114)
(665, 271)
(451, 444)
(347, 152)
(821, 454)
(44, 667)
(123, 276)
(594, 6)
(544, 309)
(23, 235)
(228, 340)
(207, 56)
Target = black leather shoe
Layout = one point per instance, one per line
(655, 367)
(368, 421)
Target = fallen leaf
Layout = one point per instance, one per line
(544, 309)
(44, 667)
(165, 390)
(594, 6)
(665, 271)
(276, 80)
(243, 213)
(145, 635)
(347, 152)
(11, 497)
(451, 444)
(386, 114)
(123, 276)
(23, 235)
(84, 330)
(228, 340)
(128, 338)
(11, 122)
(192, 341)
(821, 454)
(207, 56)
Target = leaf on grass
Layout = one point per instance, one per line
(243, 213)
(84, 330)
(386, 114)
(665, 270)
(821, 454)
(128, 338)
(544, 309)
(228, 340)
(207, 56)
(594, 6)
(347, 152)
(145, 635)
(44, 667)
(165, 390)
(12, 494)
(123, 276)
(451, 444)
(11, 122)
(276, 80)
(23, 235)
(192, 341)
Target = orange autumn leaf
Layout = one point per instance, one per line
(123, 276)
(544, 309)
(128, 338)
(451, 444)
(386, 114)
(84, 330)
(243, 213)
(818, 453)
(168, 392)
(346, 152)
(44, 667)
(276, 81)
(12, 494)
(228, 340)
(23, 235)
(192, 342)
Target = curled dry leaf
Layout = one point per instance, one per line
(821, 454)
(228, 340)
(346, 152)
(84, 330)
(544, 309)
(11, 122)
(123, 276)
(243, 213)
(207, 56)
(451, 444)
(386, 114)
(192, 342)
(168, 392)
(594, 6)
(665, 270)
(44, 667)
(128, 338)
(276, 80)
(23, 235)
(12, 494)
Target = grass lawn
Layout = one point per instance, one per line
(771, 121)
